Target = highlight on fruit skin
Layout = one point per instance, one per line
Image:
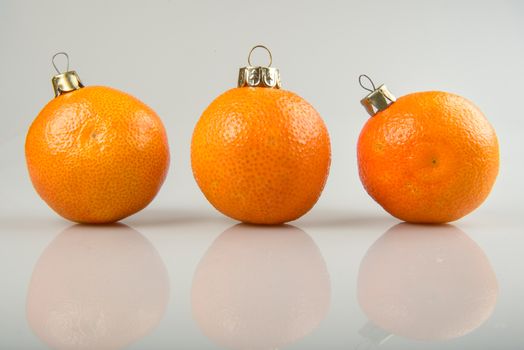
(426, 282)
(95, 154)
(428, 157)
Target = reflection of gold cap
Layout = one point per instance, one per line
(378, 99)
(259, 76)
(65, 81)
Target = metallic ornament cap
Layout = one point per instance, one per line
(259, 76)
(66, 82)
(378, 99)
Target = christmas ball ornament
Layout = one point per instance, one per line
(426, 282)
(95, 154)
(261, 154)
(427, 157)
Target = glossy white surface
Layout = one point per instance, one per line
(185, 279)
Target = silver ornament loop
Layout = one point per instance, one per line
(54, 63)
(373, 88)
(262, 47)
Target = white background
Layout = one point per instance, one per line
(178, 56)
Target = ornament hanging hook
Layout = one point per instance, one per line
(262, 47)
(378, 99)
(54, 64)
(65, 81)
(369, 80)
(259, 76)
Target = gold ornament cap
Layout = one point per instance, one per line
(378, 99)
(259, 76)
(66, 81)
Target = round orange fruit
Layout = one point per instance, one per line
(261, 155)
(97, 155)
(430, 157)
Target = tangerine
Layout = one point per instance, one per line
(261, 155)
(430, 157)
(97, 155)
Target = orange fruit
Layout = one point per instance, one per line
(430, 157)
(97, 155)
(261, 155)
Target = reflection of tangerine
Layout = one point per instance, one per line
(260, 288)
(430, 157)
(97, 288)
(261, 155)
(426, 283)
(97, 155)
